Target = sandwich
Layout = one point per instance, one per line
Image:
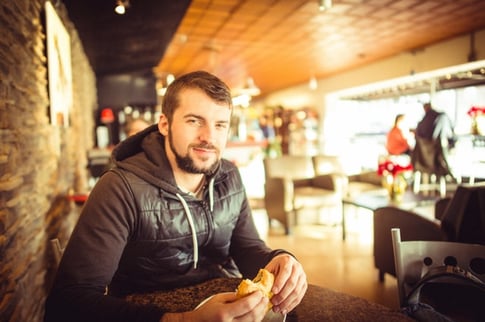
(262, 282)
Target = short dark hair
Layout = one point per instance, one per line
(210, 84)
(398, 117)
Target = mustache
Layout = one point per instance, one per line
(207, 146)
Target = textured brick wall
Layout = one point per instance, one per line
(39, 163)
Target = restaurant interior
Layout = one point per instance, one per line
(316, 86)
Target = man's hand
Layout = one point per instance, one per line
(225, 307)
(290, 283)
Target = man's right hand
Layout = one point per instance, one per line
(225, 307)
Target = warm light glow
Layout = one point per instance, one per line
(170, 79)
(121, 6)
(242, 100)
(251, 88)
(120, 9)
(313, 84)
(325, 4)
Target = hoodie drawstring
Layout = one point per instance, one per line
(191, 219)
(192, 228)
(211, 195)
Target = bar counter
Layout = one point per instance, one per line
(319, 304)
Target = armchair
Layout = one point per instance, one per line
(460, 218)
(291, 185)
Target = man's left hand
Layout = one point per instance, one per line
(290, 282)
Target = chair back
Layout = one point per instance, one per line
(415, 260)
(289, 166)
(327, 164)
(463, 219)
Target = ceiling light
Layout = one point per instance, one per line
(313, 84)
(325, 4)
(121, 6)
(170, 79)
(249, 88)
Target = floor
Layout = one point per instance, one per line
(330, 262)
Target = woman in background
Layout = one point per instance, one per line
(399, 137)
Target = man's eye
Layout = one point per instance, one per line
(221, 126)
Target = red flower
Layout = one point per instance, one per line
(476, 110)
(390, 167)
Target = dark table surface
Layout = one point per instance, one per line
(373, 200)
(377, 199)
(319, 304)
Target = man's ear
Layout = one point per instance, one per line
(163, 125)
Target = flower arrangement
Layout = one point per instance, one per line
(477, 113)
(393, 168)
(395, 172)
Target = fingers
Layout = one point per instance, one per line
(230, 307)
(281, 267)
(290, 283)
(289, 302)
(257, 307)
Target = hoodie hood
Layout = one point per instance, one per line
(144, 155)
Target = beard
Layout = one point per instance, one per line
(186, 163)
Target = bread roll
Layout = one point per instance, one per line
(262, 282)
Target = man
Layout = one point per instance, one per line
(434, 137)
(171, 213)
(435, 125)
(135, 126)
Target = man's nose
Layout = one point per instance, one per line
(207, 133)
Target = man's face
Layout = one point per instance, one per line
(198, 133)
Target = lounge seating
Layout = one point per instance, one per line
(363, 182)
(460, 218)
(355, 183)
(291, 184)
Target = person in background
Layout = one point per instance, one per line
(435, 125)
(171, 213)
(135, 126)
(399, 137)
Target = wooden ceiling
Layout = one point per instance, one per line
(280, 43)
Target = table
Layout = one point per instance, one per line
(319, 303)
(375, 199)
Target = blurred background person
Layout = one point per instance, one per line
(436, 125)
(399, 138)
(134, 126)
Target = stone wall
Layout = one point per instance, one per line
(39, 163)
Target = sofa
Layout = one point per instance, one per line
(458, 218)
(293, 184)
(363, 182)
(355, 183)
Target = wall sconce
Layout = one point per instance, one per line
(121, 6)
